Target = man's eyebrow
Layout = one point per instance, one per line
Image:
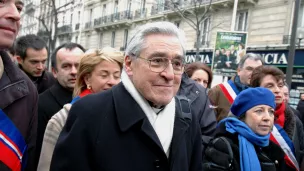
(19, 3)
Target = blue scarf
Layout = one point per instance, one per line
(239, 85)
(247, 139)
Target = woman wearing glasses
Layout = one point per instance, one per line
(99, 70)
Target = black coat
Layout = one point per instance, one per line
(19, 99)
(42, 83)
(271, 157)
(50, 102)
(109, 131)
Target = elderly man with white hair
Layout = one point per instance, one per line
(137, 125)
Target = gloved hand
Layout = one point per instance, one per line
(218, 155)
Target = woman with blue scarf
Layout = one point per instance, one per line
(245, 137)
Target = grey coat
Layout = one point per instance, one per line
(200, 107)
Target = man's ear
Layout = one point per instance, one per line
(54, 71)
(238, 70)
(129, 63)
(19, 59)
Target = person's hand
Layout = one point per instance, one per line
(228, 64)
(218, 155)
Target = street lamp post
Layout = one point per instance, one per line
(291, 53)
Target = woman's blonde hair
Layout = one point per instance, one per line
(92, 58)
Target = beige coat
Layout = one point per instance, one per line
(53, 129)
(219, 101)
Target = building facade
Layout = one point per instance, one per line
(29, 17)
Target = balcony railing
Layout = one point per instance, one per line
(115, 17)
(126, 15)
(88, 25)
(65, 29)
(157, 8)
(140, 13)
(42, 33)
(286, 39)
(77, 26)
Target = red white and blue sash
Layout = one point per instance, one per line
(280, 137)
(12, 144)
(230, 91)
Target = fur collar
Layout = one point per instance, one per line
(290, 122)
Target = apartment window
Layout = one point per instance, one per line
(104, 8)
(71, 19)
(241, 22)
(78, 17)
(205, 28)
(63, 20)
(100, 39)
(177, 23)
(76, 39)
(126, 38)
(113, 39)
(116, 6)
(143, 4)
(129, 5)
(91, 14)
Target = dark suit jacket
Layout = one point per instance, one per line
(109, 131)
(19, 99)
(50, 102)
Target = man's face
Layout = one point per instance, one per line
(302, 96)
(67, 62)
(245, 72)
(9, 22)
(34, 62)
(158, 88)
(286, 94)
(228, 52)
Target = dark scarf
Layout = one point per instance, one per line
(239, 85)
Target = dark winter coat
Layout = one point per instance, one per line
(294, 129)
(50, 102)
(200, 107)
(42, 83)
(108, 131)
(271, 157)
(19, 100)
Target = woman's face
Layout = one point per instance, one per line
(260, 119)
(270, 82)
(104, 76)
(201, 77)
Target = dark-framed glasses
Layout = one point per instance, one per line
(159, 64)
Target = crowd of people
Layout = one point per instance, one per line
(141, 109)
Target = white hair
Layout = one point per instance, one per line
(137, 41)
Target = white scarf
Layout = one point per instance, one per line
(162, 123)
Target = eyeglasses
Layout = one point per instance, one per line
(159, 64)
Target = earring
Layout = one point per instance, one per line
(89, 87)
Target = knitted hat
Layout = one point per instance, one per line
(252, 97)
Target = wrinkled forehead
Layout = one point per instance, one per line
(252, 63)
(72, 55)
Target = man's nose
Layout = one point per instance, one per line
(168, 73)
(12, 12)
(74, 70)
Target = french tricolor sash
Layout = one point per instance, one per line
(280, 137)
(230, 91)
(12, 144)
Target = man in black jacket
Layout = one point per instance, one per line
(18, 96)
(65, 61)
(137, 125)
(31, 53)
